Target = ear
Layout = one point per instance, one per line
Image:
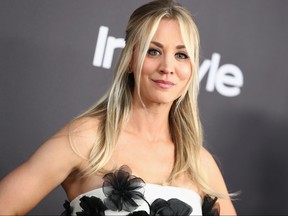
(130, 67)
(130, 70)
(132, 63)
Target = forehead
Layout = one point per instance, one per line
(168, 32)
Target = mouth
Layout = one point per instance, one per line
(164, 84)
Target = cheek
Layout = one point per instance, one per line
(148, 67)
(185, 72)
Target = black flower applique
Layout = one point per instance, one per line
(171, 207)
(68, 209)
(210, 207)
(139, 213)
(123, 191)
(91, 206)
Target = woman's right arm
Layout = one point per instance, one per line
(48, 167)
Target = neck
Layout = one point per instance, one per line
(150, 122)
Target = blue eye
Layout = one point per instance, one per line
(182, 55)
(153, 52)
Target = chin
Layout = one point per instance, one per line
(162, 101)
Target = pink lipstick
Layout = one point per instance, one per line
(164, 84)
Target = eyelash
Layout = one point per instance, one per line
(184, 55)
(153, 51)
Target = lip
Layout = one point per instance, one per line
(164, 84)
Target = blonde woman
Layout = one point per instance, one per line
(138, 151)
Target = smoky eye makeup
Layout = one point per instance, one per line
(181, 55)
(153, 52)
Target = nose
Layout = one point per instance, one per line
(166, 66)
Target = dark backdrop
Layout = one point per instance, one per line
(47, 77)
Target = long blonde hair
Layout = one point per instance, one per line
(114, 107)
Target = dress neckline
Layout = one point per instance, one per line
(146, 185)
(122, 193)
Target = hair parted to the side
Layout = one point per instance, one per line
(114, 107)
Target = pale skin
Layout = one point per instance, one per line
(146, 135)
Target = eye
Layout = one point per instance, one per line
(182, 55)
(153, 52)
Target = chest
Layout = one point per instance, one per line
(153, 162)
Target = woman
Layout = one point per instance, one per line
(146, 125)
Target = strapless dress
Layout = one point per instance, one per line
(124, 194)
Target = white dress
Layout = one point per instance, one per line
(125, 194)
(151, 193)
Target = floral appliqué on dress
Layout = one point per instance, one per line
(124, 191)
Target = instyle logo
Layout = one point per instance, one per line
(105, 47)
(226, 79)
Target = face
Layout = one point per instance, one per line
(167, 68)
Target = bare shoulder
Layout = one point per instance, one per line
(208, 162)
(67, 149)
(206, 157)
(72, 143)
(212, 171)
(47, 168)
(216, 181)
(210, 168)
(81, 135)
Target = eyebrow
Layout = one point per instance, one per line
(161, 45)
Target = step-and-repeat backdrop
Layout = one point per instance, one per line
(57, 58)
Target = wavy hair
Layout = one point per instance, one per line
(114, 107)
